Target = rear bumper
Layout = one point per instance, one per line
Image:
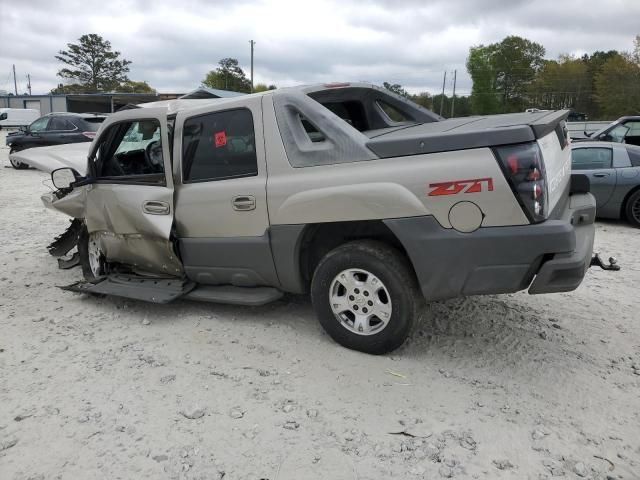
(552, 256)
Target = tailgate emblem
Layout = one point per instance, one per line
(454, 187)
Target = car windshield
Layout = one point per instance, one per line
(138, 136)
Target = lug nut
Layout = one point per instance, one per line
(352, 298)
(356, 290)
(370, 303)
(355, 307)
(365, 293)
(365, 310)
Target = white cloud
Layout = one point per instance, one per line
(173, 44)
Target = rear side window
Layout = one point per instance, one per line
(60, 124)
(219, 146)
(92, 124)
(634, 155)
(393, 113)
(591, 158)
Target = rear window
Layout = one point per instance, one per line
(393, 113)
(93, 123)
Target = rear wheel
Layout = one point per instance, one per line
(365, 296)
(16, 164)
(632, 209)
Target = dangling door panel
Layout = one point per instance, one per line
(129, 204)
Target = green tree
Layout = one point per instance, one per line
(92, 66)
(263, 87)
(618, 87)
(502, 74)
(228, 76)
(423, 99)
(395, 88)
(565, 83)
(134, 87)
(484, 94)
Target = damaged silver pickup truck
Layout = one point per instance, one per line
(347, 191)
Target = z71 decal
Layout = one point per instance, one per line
(475, 185)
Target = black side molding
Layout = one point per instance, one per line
(580, 183)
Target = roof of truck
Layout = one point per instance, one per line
(181, 104)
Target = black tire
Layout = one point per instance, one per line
(83, 251)
(632, 209)
(392, 269)
(14, 163)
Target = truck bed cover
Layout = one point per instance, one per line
(463, 133)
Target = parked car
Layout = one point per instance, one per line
(366, 213)
(624, 130)
(17, 117)
(54, 129)
(614, 172)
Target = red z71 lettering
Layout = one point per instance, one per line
(454, 187)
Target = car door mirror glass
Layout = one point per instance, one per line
(64, 178)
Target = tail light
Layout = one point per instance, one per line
(90, 135)
(523, 167)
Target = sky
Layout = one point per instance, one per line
(173, 44)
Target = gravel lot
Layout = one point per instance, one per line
(506, 386)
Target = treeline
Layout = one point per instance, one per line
(512, 75)
(440, 104)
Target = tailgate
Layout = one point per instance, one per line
(557, 162)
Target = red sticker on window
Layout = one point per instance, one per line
(220, 139)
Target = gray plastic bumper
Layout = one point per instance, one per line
(551, 256)
(565, 271)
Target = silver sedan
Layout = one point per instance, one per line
(614, 172)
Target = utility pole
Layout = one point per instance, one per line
(29, 83)
(442, 98)
(252, 44)
(15, 84)
(453, 98)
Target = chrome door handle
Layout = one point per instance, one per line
(154, 207)
(243, 203)
(600, 175)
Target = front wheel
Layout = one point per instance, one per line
(92, 258)
(365, 296)
(632, 209)
(16, 164)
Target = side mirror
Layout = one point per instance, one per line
(64, 178)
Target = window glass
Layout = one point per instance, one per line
(634, 129)
(92, 124)
(393, 113)
(591, 158)
(351, 112)
(39, 125)
(131, 148)
(617, 134)
(634, 155)
(60, 124)
(311, 131)
(219, 145)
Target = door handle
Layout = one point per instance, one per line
(600, 175)
(154, 207)
(243, 203)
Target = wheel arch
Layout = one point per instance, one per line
(297, 249)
